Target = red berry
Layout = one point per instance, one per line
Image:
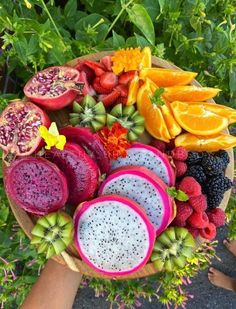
(170, 145)
(193, 231)
(108, 80)
(190, 186)
(123, 100)
(216, 216)
(181, 168)
(209, 232)
(110, 98)
(199, 203)
(183, 210)
(123, 90)
(198, 220)
(98, 88)
(106, 62)
(125, 78)
(179, 153)
(160, 145)
(98, 68)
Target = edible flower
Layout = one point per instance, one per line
(126, 60)
(52, 137)
(114, 140)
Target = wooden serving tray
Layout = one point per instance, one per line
(72, 259)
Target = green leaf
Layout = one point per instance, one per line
(141, 41)
(156, 98)
(152, 7)
(139, 17)
(21, 49)
(70, 8)
(118, 40)
(177, 194)
(232, 79)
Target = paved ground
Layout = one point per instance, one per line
(205, 295)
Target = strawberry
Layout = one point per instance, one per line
(98, 88)
(110, 98)
(123, 90)
(106, 62)
(88, 71)
(98, 68)
(125, 78)
(123, 100)
(108, 80)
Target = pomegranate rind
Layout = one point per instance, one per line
(53, 170)
(154, 181)
(57, 102)
(151, 232)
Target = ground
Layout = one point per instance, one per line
(205, 294)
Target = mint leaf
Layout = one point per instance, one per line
(156, 98)
(177, 194)
(172, 191)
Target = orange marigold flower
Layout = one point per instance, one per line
(114, 140)
(126, 60)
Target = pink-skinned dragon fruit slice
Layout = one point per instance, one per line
(113, 235)
(145, 188)
(36, 185)
(91, 144)
(145, 155)
(80, 170)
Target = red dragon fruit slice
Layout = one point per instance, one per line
(113, 235)
(80, 170)
(146, 189)
(36, 185)
(145, 155)
(91, 144)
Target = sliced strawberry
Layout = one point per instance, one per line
(98, 68)
(123, 100)
(106, 62)
(98, 88)
(88, 71)
(108, 80)
(123, 90)
(87, 89)
(125, 78)
(110, 98)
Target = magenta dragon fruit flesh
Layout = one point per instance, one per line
(36, 185)
(145, 155)
(80, 170)
(145, 188)
(113, 235)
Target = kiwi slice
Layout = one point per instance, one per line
(89, 114)
(129, 118)
(53, 233)
(172, 248)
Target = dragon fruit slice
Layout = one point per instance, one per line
(146, 189)
(91, 144)
(80, 170)
(36, 185)
(113, 235)
(145, 155)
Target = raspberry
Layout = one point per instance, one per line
(197, 172)
(216, 216)
(160, 145)
(198, 203)
(183, 212)
(198, 220)
(179, 153)
(212, 165)
(181, 168)
(190, 186)
(193, 231)
(209, 232)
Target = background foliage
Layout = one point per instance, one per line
(196, 35)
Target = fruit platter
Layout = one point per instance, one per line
(118, 164)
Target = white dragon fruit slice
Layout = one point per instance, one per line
(113, 235)
(145, 155)
(146, 189)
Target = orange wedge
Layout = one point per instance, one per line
(146, 61)
(206, 143)
(189, 93)
(154, 121)
(197, 119)
(172, 125)
(133, 91)
(167, 77)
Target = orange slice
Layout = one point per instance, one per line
(189, 93)
(206, 143)
(146, 61)
(167, 77)
(197, 119)
(154, 121)
(172, 125)
(133, 91)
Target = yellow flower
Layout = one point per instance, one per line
(52, 137)
(126, 60)
(28, 4)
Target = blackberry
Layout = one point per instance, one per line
(214, 201)
(194, 157)
(212, 165)
(217, 185)
(197, 172)
(223, 155)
